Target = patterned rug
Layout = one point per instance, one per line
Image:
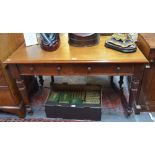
(111, 102)
(37, 120)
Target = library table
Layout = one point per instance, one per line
(70, 61)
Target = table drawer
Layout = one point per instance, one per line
(104, 69)
(46, 69)
(76, 69)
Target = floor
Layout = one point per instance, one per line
(112, 110)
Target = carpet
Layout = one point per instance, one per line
(38, 120)
(111, 102)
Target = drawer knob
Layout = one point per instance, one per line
(58, 68)
(89, 68)
(31, 68)
(118, 68)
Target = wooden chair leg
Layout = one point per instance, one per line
(121, 82)
(52, 80)
(112, 81)
(41, 81)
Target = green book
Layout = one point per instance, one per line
(54, 97)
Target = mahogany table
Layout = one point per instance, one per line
(84, 61)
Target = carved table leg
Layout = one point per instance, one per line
(135, 84)
(133, 92)
(21, 87)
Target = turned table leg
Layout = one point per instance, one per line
(22, 88)
(134, 91)
(134, 88)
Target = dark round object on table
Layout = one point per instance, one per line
(50, 41)
(83, 39)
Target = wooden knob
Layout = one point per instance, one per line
(89, 68)
(31, 68)
(58, 68)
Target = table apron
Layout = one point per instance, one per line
(76, 69)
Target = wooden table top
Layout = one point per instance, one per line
(69, 54)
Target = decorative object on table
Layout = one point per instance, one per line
(30, 39)
(83, 39)
(133, 36)
(121, 42)
(49, 41)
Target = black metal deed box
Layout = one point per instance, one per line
(82, 102)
